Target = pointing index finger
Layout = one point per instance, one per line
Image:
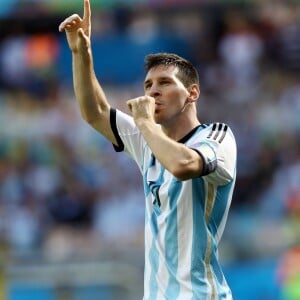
(87, 11)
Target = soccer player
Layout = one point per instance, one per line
(188, 168)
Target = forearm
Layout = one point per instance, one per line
(181, 161)
(89, 94)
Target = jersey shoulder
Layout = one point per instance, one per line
(216, 131)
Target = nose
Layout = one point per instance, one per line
(154, 92)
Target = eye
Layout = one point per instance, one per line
(147, 86)
(164, 82)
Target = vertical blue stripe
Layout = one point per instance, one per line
(171, 241)
(154, 259)
(146, 187)
(153, 252)
(199, 242)
(218, 273)
(220, 204)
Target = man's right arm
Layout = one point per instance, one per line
(92, 101)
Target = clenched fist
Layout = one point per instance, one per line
(142, 108)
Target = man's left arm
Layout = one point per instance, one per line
(183, 162)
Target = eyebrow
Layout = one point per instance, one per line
(159, 78)
(147, 81)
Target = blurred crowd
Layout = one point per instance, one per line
(65, 192)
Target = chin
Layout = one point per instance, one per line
(157, 121)
(158, 118)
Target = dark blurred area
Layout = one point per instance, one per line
(71, 209)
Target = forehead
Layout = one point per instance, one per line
(161, 71)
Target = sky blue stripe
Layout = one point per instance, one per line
(153, 258)
(214, 223)
(153, 255)
(218, 274)
(219, 208)
(171, 240)
(153, 252)
(146, 186)
(199, 242)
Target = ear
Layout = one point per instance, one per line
(194, 93)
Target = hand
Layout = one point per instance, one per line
(142, 108)
(78, 30)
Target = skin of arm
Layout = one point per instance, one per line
(183, 162)
(92, 101)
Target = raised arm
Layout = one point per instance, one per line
(91, 98)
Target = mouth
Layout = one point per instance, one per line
(157, 107)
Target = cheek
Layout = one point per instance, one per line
(177, 98)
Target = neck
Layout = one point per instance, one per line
(180, 127)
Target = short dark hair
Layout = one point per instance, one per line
(187, 73)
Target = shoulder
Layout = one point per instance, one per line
(219, 137)
(217, 131)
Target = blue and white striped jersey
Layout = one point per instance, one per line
(184, 219)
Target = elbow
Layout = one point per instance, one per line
(92, 121)
(187, 168)
(182, 176)
(93, 115)
(87, 117)
(184, 171)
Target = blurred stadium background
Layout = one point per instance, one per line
(71, 209)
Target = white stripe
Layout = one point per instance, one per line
(148, 242)
(160, 245)
(185, 238)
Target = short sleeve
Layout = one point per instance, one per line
(129, 138)
(218, 147)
